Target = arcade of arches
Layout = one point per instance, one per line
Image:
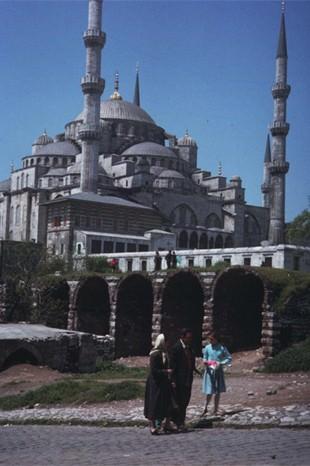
(136, 308)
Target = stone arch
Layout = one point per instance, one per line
(193, 240)
(24, 354)
(183, 240)
(182, 306)
(134, 309)
(213, 221)
(203, 241)
(92, 305)
(238, 302)
(218, 242)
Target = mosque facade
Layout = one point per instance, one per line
(116, 181)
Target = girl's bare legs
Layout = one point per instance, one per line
(216, 402)
(208, 399)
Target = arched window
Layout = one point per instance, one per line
(31, 162)
(203, 241)
(55, 161)
(252, 231)
(184, 215)
(218, 242)
(183, 240)
(17, 182)
(17, 215)
(211, 243)
(193, 240)
(213, 221)
(22, 180)
(228, 242)
(27, 180)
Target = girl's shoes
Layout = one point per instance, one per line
(204, 413)
(154, 431)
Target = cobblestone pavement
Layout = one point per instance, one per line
(132, 446)
(124, 413)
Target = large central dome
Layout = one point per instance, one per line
(121, 110)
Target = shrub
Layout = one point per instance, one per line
(293, 359)
(97, 264)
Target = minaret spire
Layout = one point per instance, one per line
(92, 86)
(279, 130)
(136, 99)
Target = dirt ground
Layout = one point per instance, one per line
(244, 386)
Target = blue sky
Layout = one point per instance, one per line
(206, 66)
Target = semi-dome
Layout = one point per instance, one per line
(187, 140)
(149, 148)
(43, 139)
(121, 110)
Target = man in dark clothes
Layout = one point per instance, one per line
(183, 366)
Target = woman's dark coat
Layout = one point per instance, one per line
(157, 402)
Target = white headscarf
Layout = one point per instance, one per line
(160, 345)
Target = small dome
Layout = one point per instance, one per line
(43, 139)
(149, 148)
(171, 174)
(187, 140)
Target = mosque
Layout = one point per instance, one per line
(115, 181)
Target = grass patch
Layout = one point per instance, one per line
(74, 392)
(113, 370)
(293, 359)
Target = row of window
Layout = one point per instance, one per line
(98, 246)
(49, 161)
(193, 241)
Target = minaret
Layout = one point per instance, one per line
(136, 99)
(266, 187)
(92, 86)
(279, 130)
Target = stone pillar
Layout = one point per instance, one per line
(72, 314)
(113, 290)
(158, 282)
(207, 279)
(270, 327)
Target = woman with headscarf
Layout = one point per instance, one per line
(158, 403)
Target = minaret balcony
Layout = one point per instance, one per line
(280, 90)
(89, 132)
(94, 37)
(279, 128)
(92, 85)
(279, 167)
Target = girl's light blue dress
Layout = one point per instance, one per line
(213, 380)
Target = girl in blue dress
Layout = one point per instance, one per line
(215, 356)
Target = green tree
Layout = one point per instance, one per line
(298, 231)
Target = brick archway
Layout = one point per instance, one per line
(133, 319)
(183, 306)
(92, 304)
(238, 305)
